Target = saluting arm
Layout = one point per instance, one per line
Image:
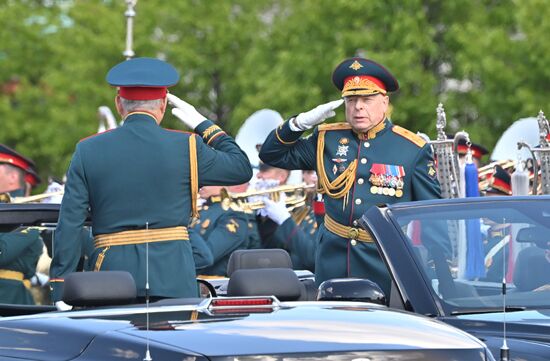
(220, 160)
(283, 148)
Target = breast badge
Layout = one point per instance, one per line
(387, 179)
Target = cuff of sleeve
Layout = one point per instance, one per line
(209, 131)
(285, 135)
(56, 286)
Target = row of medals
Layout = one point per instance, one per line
(387, 185)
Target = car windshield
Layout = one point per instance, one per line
(465, 250)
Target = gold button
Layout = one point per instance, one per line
(360, 181)
(358, 201)
(353, 242)
(366, 144)
(363, 160)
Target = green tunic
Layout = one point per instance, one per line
(19, 252)
(224, 231)
(138, 176)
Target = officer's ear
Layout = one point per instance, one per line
(119, 107)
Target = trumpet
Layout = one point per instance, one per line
(296, 196)
(5, 197)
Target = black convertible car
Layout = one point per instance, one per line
(107, 324)
(448, 260)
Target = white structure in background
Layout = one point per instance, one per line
(252, 135)
(523, 130)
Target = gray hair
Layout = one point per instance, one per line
(133, 105)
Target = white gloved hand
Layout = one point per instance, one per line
(317, 115)
(39, 279)
(185, 112)
(62, 306)
(276, 211)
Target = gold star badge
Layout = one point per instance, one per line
(343, 141)
(356, 66)
(231, 228)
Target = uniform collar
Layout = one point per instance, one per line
(375, 131)
(139, 116)
(17, 193)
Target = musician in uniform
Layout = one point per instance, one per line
(15, 170)
(140, 184)
(223, 227)
(360, 163)
(19, 254)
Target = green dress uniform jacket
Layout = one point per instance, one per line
(201, 252)
(298, 235)
(135, 177)
(387, 164)
(19, 254)
(223, 231)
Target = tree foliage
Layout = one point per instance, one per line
(485, 60)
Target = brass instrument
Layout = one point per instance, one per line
(296, 196)
(485, 172)
(5, 197)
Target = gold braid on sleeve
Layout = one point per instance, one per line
(340, 186)
(193, 168)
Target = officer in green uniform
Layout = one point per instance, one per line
(19, 254)
(140, 183)
(360, 163)
(201, 252)
(223, 227)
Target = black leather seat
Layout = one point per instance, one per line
(260, 272)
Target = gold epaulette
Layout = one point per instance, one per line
(300, 214)
(334, 126)
(407, 134)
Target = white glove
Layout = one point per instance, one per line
(62, 306)
(317, 115)
(39, 279)
(185, 112)
(276, 211)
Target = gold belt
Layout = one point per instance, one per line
(346, 231)
(7, 274)
(140, 236)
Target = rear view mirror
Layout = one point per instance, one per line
(536, 234)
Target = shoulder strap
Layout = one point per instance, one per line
(407, 134)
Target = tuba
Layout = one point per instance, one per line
(448, 171)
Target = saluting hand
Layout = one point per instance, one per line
(185, 112)
(317, 115)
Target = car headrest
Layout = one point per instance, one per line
(104, 288)
(258, 258)
(531, 270)
(279, 282)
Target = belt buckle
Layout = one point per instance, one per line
(353, 233)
